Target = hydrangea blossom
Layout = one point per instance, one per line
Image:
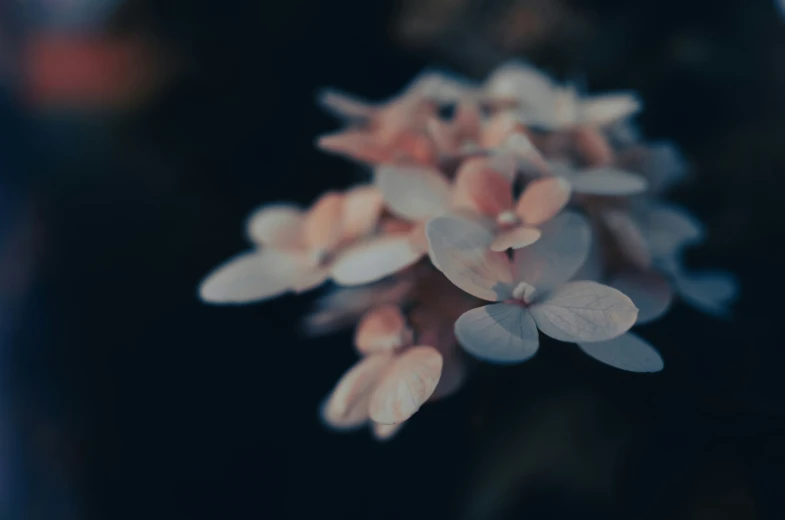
(533, 208)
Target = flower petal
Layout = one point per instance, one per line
(359, 145)
(460, 248)
(374, 259)
(323, 225)
(628, 236)
(408, 384)
(480, 188)
(627, 352)
(607, 181)
(498, 129)
(609, 108)
(278, 225)
(414, 193)
(543, 199)
(343, 306)
(558, 254)
(362, 208)
(453, 376)
(382, 329)
(515, 238)
(669, 228)
(348, 404)
(584, 312)
(499, 333)
(250, 277)
(709, 291)
(592, 146)
(523, 84)
(310, 278)
(344, 105)
(650, 292)
(385, 432)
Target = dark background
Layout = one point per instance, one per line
(128, 398)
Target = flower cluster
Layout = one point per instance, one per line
(496, 211)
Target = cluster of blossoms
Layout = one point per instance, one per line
(495, 211)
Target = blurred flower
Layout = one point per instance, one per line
(77, 71)
(531, 196)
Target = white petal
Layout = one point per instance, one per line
(557, 255)
(499, 333)
(374, 259)
(460, 248)
(584, 312)
(650, 292)
(414, 193)
(519, 81)
(608, 108)
(250, 277)
(607, 181)
(348, 404)
(709, 291)
(406, 386)
(627, 352)
(278, 225)
(515, 238)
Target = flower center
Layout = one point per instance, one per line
(523, 292)
(507, 219)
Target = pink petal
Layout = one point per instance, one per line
(348, 404)
(515, 238)
(323, 224)
(385, 432)
(479, 187)
(382, 329)
(408, 384)
(359, 145)
(467, 119)
(542, 200)
(499, 128)
(362, 208)
(592, 146)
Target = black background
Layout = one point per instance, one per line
(161, 407)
